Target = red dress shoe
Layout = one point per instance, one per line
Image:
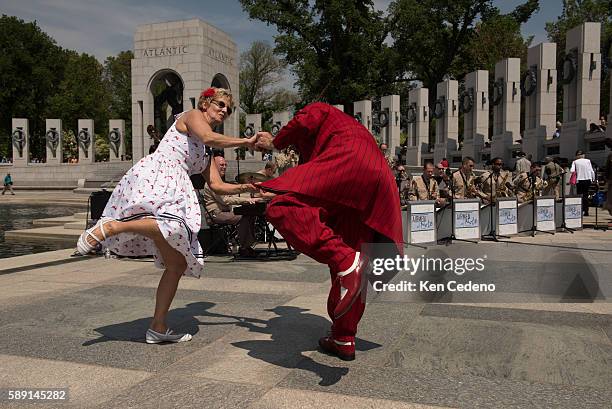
(352, 282)
(343, 350)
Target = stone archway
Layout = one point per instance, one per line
(167, 88)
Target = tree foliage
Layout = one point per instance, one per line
(31, 66)
(336, 47)
(343, 50)
(40, 80)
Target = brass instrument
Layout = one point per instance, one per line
(539, 187)
(501, 190)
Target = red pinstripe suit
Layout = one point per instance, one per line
(342, 195)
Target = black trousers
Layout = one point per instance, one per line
(582, 188)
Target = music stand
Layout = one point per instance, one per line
(492, 234)
(449, 240)
(534, 229)
(563, 228)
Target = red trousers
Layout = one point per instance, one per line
(330, 234)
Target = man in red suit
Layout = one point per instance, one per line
(342, 195)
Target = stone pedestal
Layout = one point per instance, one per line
(116, 140)
(475, 100)
(253, 125)
(582, 79)
(362, 111)
(446, 111)
(54, 141)
(418, 126)
(86, 141)
(20, 140)
(279, 119)
(506, 101)
(541, 99)
(390, 132)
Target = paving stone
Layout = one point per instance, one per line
(440, 389)
(186, 391)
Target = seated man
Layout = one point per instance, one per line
(440, 175)
(425, 187)
(269, 170)
(496, 182)
(464, 179)
(525, 184)
(219, 211)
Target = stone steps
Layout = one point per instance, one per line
(45, 233)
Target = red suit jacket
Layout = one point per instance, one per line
(340, 163)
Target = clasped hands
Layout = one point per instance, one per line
(261, 141)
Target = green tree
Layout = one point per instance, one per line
(574, 13)
(117, 77)
(261, 74)
(435, 38)
(335, 47)
(81, 94)
(31, 66)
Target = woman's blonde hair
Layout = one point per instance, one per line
(207, 96)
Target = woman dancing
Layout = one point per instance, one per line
(154, 208)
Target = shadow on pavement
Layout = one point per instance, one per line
(293, 332)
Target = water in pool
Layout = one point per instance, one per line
(20, 216)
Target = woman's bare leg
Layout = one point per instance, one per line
(174, 261)
(166, 289)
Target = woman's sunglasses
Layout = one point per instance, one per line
(222, 105)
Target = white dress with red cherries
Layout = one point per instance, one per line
(158, 187)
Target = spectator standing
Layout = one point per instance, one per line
(8, 184)
(584, 177)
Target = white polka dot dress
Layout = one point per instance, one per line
(158, 187)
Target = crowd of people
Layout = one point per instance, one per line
(527, 179)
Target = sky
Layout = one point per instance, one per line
(104, 28)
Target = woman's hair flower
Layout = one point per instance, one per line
(209, 92)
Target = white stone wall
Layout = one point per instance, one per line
(194, 50)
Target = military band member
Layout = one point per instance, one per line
(500, 183)
(464, 181)
(442, 178)
(524, 184)
(425, 187)
(553, 172)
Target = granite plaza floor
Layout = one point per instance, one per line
(79, 323)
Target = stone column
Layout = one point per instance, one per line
(138, 130)
(86, 141)
(475, 102)
(539, 87)
(340, 107)
(253, 125)
(20, 139)
(54, 141)
(418, 126)
(446, 112)
(116, 140)
(279, 119)
(362, 111)
(582, 79)
(506, 101)
(391, 131)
